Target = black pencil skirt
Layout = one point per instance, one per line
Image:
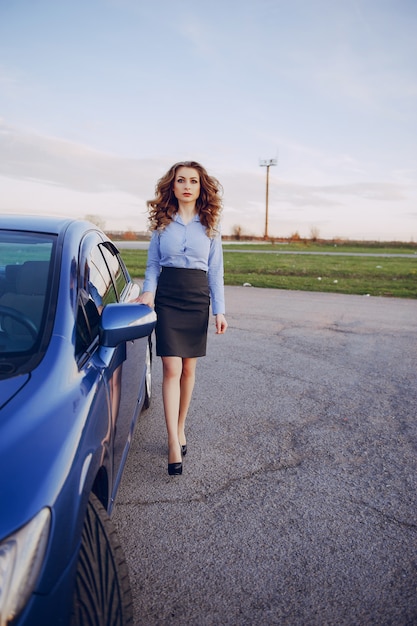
(182, 303)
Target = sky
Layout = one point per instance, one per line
(98, 98)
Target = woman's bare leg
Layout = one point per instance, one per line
(171, 391)
(186, 391)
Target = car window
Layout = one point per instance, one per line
(116, 267)
(25, 262)
(96, 289)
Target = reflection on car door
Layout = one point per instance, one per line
(129, 378)
(121, 365)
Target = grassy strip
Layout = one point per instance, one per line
(135, 261)
(395, 277)
(348, 274)
(310, 246)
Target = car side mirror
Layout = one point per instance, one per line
(121, 322)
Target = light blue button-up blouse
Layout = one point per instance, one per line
(187, 246)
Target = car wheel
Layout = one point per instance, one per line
(148, 377)
(102, 594)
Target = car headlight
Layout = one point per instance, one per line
(21, 558)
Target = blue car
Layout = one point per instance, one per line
(75, 373)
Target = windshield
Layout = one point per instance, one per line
(25, 260)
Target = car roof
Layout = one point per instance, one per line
(35, 223)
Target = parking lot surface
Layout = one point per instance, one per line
(297, 505)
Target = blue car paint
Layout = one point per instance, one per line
(57, 434)
(8, 388)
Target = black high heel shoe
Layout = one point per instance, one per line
(174, 469)
(184, 450)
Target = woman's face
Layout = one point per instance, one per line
(187, 185)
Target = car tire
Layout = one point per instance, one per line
(102, 595)
(148, 377)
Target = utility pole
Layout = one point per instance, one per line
(267, 163)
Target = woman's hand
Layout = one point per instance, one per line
(146, 297)
(221, 324)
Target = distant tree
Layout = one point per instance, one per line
(237, 232)
(129, 235)
(314, 233)
(97, 220)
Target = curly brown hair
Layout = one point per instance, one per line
(164, 206)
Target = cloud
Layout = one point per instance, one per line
(383, 192)
(52, 175)
(49, 175)
(195, 32)
(28, 156)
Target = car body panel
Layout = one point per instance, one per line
(8, 388)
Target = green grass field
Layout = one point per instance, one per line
(328, 246)
(377, 276)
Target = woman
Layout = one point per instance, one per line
(184, 270)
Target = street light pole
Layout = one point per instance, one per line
(267, 163)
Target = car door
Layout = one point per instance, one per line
(127, 387)
(96, 289)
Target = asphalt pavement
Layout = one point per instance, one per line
(297, 505)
